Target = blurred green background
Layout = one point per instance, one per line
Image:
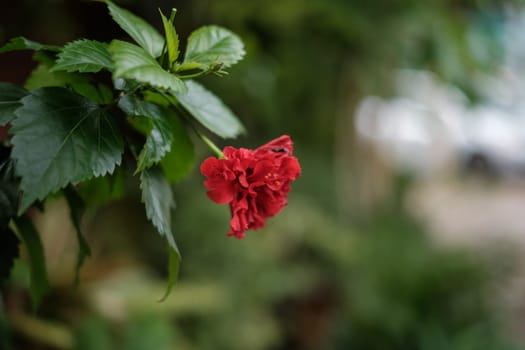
(368, 255)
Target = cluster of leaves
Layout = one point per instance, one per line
(94, 110)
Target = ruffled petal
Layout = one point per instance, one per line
(254, 183)
(222, 195)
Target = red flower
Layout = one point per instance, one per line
(254, 182)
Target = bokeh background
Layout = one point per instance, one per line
(406, 230)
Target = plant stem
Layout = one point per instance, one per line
(209, 143)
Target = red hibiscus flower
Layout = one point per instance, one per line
(255, 183)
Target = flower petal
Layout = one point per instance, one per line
(222, 195)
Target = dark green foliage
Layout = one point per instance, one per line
(38, 284)
(10, 96)
(9, 251)
(22, 43)
(73, 130)
(61, 138)
(77, 209)
(9, 242)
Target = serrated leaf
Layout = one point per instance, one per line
(10, 96)
(38, 284)
(160, 135)
(61, 138)
(214, 45)
(77, 209)
(132, 62)
(178, 162)
(173, 271)
(9, 251)
(44, 76)
(84, 56)
(158, 200)
(172, 39)
(209, 110)
(143, 33)
(21, 43)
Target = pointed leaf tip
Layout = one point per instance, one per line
(137, 28)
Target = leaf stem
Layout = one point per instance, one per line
(209, 143)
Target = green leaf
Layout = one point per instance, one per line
(158, 200)
(190, 68)
(42, 76)
(22, 43)
(9, 251)
(210, 111)
(160, 135)
(214, 45)
(106, 93)
(45, 76)
(132, 62)
(173, 271)
(38, 285)
(102, 190)
(178, 162)
(125, 84)
(77, 209)
(84, 56)
(60, 138)
(10, 95)
(172, 39)
(143, 33)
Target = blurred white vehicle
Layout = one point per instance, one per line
(431, 126)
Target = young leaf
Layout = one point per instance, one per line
(172, 39)
(158, 200)
(214, 45)
(22, 43)
(143, 33)
(10, 95)
(178, 162)
(160, 136)
(60, 138)
(210, 111)
(76, 210)
(132, 62)
(190, 68)
(173, 271)
(84, 56)
(9, 251)
(38, 285)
